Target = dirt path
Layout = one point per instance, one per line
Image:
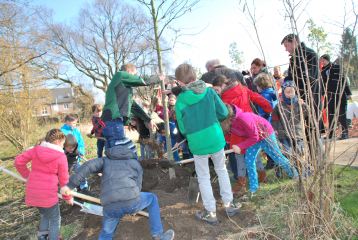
(344, 151)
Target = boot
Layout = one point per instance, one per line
(344, 136)
(270, 164)
(262, 177)
(241, 185)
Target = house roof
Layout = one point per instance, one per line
(63, 95)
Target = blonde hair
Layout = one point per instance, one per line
(154, 102)
(127, 66)
(263, 81)
(225, 124)
(185, 73)
(52, 135)
(71, 141)
(145, 104)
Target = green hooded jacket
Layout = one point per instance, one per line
(199, 110)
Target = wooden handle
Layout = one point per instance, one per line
(102, 138)
(173, 151)
(192, 159)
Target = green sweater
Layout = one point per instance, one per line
(198, 111)
(119, 97)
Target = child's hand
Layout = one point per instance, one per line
(161, 76)
(152, 125)
(301, 101)
(89, 135)
(65, 191)
(69, 202)
(176, 145)
(236, 149)
(167, 92)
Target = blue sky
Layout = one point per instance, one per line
(224, 23)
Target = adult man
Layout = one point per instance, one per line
(214, 69)
(304, 72)
(333, 81)
(277, 76)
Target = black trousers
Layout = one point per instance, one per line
(342, 117)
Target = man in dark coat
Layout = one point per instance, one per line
(304, 61)
(333, 81)
(215, 69)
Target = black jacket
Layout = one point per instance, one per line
(143, 130)
(334, 83)
(121, 181)
(72, 158)
(222, 70)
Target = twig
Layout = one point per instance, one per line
(352, 189)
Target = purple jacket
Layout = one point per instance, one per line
(251, 126)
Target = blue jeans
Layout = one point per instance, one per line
(112, 218)
(145, 152)
(286, 142)
(269, 145)
(83, 184)
(113, 131)
(100, 145)
(232, 161)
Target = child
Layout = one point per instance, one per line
(121, 194)
(97, 129)
(173, 137)
(199, 110)
(172, 100)
(120, 104)
(136, 123)
(185, 147)
(146, 107)
(287, 122)
(232, 92)
(157, 107)
(48, 167)
(259, 134)
(71, 151)
(264, 87)
(70, 127)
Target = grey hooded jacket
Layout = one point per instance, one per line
(121, 181)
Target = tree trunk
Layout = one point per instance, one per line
(165, 108)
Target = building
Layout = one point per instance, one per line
(61, 102)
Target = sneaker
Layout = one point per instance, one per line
(233, 179)
(88, 192)
(232, 209)
(168, 235)
(205, 216)
(43, 237)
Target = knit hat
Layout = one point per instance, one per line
(126, 142)
(327, 57)
(288, 84)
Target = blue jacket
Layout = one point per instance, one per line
(75, 132)
(270, 95)
(173, 137)
(121, 182)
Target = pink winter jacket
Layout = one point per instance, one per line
(48, 167)
(251, 126)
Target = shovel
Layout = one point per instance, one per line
(86, 207)
(173, 151)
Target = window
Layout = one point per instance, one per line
(44, 111)
(65, 106)
(55, 107)
(59, 96)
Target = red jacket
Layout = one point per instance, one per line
(241, 96)
(48, 167)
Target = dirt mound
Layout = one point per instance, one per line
(175, 213)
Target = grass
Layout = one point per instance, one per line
(17, 219)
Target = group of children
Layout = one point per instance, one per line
(209, 118)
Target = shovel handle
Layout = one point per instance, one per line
(102, 138)
(2, 169)
(192, 159)
(173, 151)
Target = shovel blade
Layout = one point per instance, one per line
(193, 191)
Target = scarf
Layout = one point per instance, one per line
(289, 101)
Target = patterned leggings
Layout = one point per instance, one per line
(50, 222)
(269, 145)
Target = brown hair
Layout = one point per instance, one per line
(127, 66)
(52, 135)
(136, 127)
(278, 67)
(71, 117)
(225, 124)
(173, 113)
(97, 108)
(258, 62)
(154, 103)
(70, 141)
(219, 81)
(290, 38)
(263, 81)
(185, 73)
(172, 96)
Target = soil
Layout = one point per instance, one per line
(175, 213)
